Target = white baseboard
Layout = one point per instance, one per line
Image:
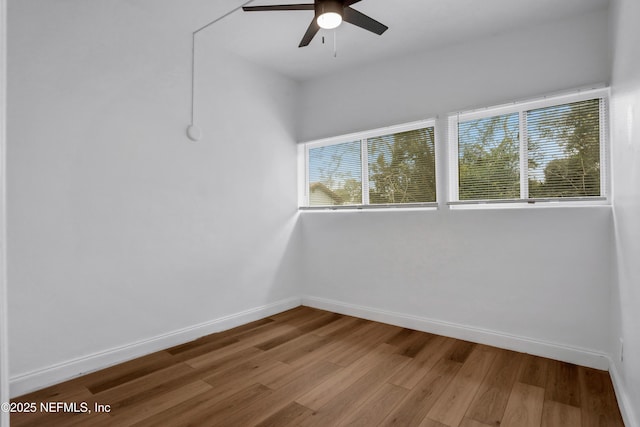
(35, 380)
(578, 356)
(630, 416)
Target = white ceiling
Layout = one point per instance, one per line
(272, 38)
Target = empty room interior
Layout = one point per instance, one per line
(427, 215)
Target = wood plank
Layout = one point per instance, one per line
(534, 371)
(339, 407)
(556, 414)
(460, 351)
(594, 419)
(321, 352)
(247, 342)
(428, 422)
(303, 352)
(339, 340)
(400, 337)
(259, 410)
(563, 384)
(414, 408)
(127, 416)
(346, 323)
(291, 316)
(233, 384)
(319, 396)
(245, 379)
(264, 331)
(249, 369)
(361, 343)
(288, 374)
(218, 364)
(410, 375)
(139, 389)
(599, 403)
(596, 391)
(238, 329)
(468, 422)
(414, 345)
(199, 409)
(450, 408)
(128, 371)
(193, 349)
(317, 323)
(296, 348)
(290, 415)
(279, 340)
(377, 407)
(276, 372)
(299, 316)
(524, 408)
(491, 400)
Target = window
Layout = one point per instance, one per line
(390, 167)
(335, 174)
(549, 150)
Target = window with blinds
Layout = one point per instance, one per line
(391, 167)
(335, 174)
(549, 150)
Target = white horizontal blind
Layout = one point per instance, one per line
(402, 167)
(335, 175)
(543, 150)
(488, 158)
(564, 150)
(391, 167)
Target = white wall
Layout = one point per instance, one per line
(508, 67)
(4, 352)
(541, 276)
(626, 167)
(120, 229)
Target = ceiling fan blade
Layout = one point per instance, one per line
(278, 7)
(350, 2)
(311, 32)
(361, 20)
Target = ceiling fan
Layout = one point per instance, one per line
(329, 14)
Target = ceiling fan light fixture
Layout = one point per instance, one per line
(329, 13)
(329, 20)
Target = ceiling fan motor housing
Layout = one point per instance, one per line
(328, 6)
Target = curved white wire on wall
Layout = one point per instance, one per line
(193, 131)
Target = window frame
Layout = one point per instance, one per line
(522, 108)
(362, 137)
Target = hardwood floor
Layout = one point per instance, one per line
(308, 367)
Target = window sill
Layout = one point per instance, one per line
(372, 208)
(529, 204)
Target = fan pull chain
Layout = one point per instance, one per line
(335, 43)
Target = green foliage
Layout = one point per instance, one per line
(402, 167)
(577, 172)
(489, 163)
(564, 139)
(350, 192)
